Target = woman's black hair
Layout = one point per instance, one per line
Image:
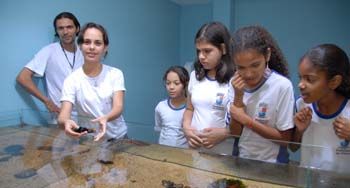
(216, 34)
(259, 39)
(334, 61)
(66, 15)
(182, 73)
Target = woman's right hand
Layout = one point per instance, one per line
(193, 140)
(302, 119)
(70, 126)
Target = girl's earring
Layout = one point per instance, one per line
(267, 64)
(267, 71)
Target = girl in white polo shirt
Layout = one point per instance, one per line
(169, 112)
(263, 100)
(323, 112)
(204, 117)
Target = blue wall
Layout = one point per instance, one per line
(144, 42)
(222, 11)
(298, 25)
(192, 17)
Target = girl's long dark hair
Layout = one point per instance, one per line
(259, 39)
(216, 34)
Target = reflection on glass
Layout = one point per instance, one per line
(41, 155)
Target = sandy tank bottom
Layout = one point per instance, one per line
(47, 158)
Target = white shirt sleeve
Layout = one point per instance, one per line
(39, 62)
(118, 84)
(68, 90)
(191, 82)
(230, 95)
(157, 119)
(285, 109)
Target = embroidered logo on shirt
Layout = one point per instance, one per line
(262, 110)
(261, 115)
(219, 98)
(219, 101)
(343, 149)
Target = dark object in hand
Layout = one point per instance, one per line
(83, 129)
